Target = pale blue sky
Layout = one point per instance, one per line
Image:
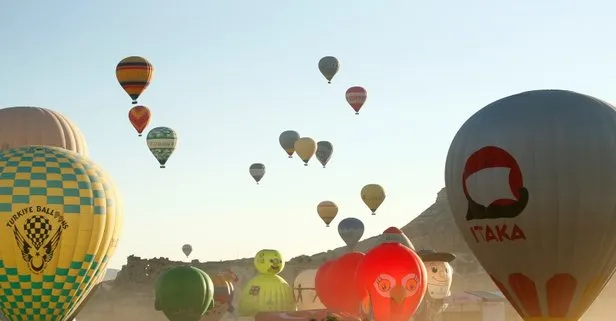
(231, 75)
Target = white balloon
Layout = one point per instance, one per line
(552, 246)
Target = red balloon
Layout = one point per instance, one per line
(321, 283)
(356, 97)
(395, 279)
(343, 293)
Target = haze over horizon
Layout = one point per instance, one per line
(230, 78)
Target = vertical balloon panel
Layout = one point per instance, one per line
(61, 219)
(531, 183)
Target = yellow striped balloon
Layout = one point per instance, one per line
(134, 75)
(60, 220)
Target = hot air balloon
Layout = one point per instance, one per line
(351, 230)
(25, 126)
(161, 142)
(394, 234)
(134, 75)
(267, 291)
(341, 282)
(183, 293)
(327, 211)
(373, 196)
(304, 291)
(328, 66)
(305, 148)
(257, 171)
(356, 97)
(530, 180)
(287, 141)
(321, 284)
(187, 249)
(61, 220)
(439, 277)
(395, 279)
(223, 298)
(139, 117)
(324, 152)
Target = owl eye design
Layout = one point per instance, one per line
(384, 283)
(411, 284)
(434, 269)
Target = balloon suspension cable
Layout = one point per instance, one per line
(162, 166)
(305, 164)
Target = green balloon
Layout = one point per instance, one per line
(184, 293)
(161, 142)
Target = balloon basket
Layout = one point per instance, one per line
(305, 164)
(326, 225)
(373, 213)
(162, 166)
(134, 102)
(329, 81)
(323, 166)
(356, 113)
(140, 135)
(257, 183)
(290, 156)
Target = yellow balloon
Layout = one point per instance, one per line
(327, 211)
(266, 292)
(373, 196)
(305, 148)
(269, 262)
(60, 220)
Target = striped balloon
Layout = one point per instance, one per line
(134, 75)
(356, 97)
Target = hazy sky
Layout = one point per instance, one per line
(231, 75)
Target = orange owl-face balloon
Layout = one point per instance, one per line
(395, 279)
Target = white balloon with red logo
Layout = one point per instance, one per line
(531, 181)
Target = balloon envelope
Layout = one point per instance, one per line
(134, 75)
(66, 223)
(25, 126)
(345, 295)
(183, 293)
(327, 211)
(161, 142)
(531, 182)
(351, 230)
(139, 117)
(324, 152)
(395, 279)
(305, 148)
(187, 249)
(321, 284)
(356, 97)
(373, 196)
(266, 292)
(287, 141)
(394, 234)
(304, 291)
(257, 171)
(328, 66)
